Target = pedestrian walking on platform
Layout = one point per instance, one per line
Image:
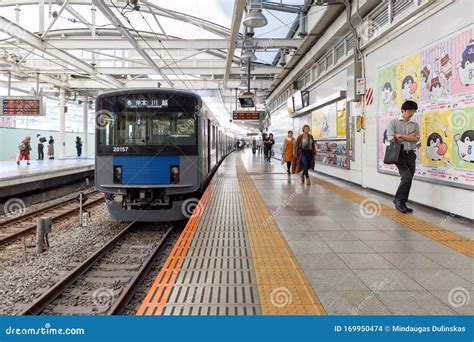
(268, 146)
(41, 141)
(304, 153)
(287, 151)
(51, 147)
(79, 146)
(25, 148)
(406, 133)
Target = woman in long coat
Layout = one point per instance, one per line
(51, 148)
(304, 153)
(287, 151)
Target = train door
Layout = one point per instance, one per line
(216, 144)
(208, 146)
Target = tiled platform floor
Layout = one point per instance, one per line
(11, 173)
(359, 264)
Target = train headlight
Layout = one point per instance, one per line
(174, 173)
(117, 174)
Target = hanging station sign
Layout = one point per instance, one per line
(21, 106)
(249, 115)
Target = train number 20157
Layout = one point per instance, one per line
(120, 149)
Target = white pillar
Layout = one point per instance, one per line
(84, 126)
(41, 17)
(62, 124)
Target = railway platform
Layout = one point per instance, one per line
(42, 179)
(261, 243)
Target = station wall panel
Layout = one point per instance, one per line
(10, 138)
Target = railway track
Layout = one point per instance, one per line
(17, 227)
(105, 282)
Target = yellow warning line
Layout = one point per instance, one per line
(454, 241)
(282, 285)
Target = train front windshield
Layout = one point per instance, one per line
(149, 128)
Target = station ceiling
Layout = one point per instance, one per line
(88, 46)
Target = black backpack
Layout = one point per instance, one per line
(42, 139)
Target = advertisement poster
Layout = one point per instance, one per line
(440, 78)
(317, 122)
(388, 89)
(408, 78)
(436, 137)
(462, 46)
(341, 119)
(324, 122)
(462, 122)
(436, 71)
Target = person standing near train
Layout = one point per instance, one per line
(51, 147)
(41, 141)
(25, 148)
(79, 146)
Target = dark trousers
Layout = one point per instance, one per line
(306, 160)
(79, 151)
(40, 152)
(288, 165)
(406, 169)
(267, 153)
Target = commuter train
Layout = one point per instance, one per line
(156, 150)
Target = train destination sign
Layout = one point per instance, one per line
(147, 103)
(249, 115)
(21, 106)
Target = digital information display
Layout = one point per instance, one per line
(249, 115)
(147, 103)
(21, 106)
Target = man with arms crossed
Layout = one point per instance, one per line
(407, 133)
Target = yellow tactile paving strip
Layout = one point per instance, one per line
(452, 240)
(282, 285)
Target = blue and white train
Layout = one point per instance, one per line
(155, 150)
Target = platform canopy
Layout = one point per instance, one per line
(88, 46)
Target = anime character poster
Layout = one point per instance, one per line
(462, 47)
(436, 71)
(436, 138)
(383, 142)
(462, 122)
(341, 118)
(387, 88)
(409, 78)
(317, 121)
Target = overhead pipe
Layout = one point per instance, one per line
(302, 20)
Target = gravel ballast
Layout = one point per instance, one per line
(21, 281)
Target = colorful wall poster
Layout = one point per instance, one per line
(436, 71)
(324, 122)
(341, 119)
(436, 138)
(317, 121)
(299, 122)
(383, 141)
(330, 113)
(462, 125)
(462, 47)
(409, 78)
(440, 78)
(388, 88)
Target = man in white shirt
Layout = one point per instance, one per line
(406, 133)
(40, 147)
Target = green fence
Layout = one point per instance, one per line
(10, 138)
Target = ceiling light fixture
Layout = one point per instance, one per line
(255, 18)
(248, 55)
